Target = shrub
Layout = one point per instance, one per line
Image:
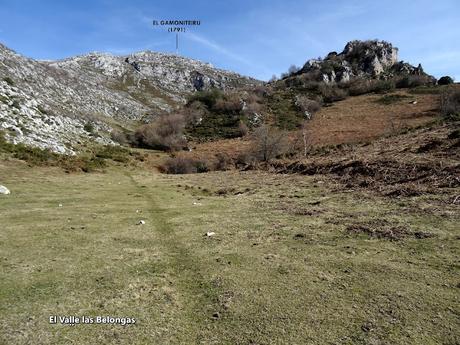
(268, 143)
(230, 105)
(411, 81)
(194, 112)
(446, 80)
(90, 164)
(293, 69)
(164, 133)
(332, 93)
(42, 110)
(223, 162)
(115, 153)
(119, 137)
(450, 104)
(34, 155)
(243, 128)
(245, 159)
(359, 87)
(311, 85)
(209, 98)
(201, 166)
(89, 127)
(364, 86)
(182, 165)
(426, 90)
(381, 86)
(261, 90)
(307, 105)
(16, 104)
(9, 81)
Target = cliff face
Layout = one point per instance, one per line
(48, 103)
(363, 59)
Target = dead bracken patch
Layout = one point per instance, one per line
(383, 175)
(385, 230)
(231, 191)
(306, 211)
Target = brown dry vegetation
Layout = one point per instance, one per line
(362, 118)
(424, 160)
(359, 119)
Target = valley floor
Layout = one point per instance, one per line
(294, 260)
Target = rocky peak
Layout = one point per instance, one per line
(364, 59)
(372, 56)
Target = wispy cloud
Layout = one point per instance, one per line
(217, 48)
(342, 12)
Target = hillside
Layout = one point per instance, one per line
(345, 232)
(48, 103)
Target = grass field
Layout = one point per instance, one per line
(295, 260)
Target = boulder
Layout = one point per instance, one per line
(4, 190)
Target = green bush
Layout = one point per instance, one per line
(16, 104)
(35, 156)
(115, 153)
(89, 127)
(446, 80)
(9, 81)
(209, 98)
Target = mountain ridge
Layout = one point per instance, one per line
(47, 103)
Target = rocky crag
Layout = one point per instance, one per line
(360, 59)
(64, 105)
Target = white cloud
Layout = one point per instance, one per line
(216, 47)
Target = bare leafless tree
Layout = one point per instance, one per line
(269, 142)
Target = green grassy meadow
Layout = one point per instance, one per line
(294, 260)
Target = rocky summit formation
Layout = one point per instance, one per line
(65, 104)
(359, 59)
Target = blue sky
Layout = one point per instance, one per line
(258, 38)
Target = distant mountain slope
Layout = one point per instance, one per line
(48, 103)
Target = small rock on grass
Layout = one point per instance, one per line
(141, 222)
(4, 190)
(210, 234)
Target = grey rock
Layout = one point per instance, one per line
(4, 190)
